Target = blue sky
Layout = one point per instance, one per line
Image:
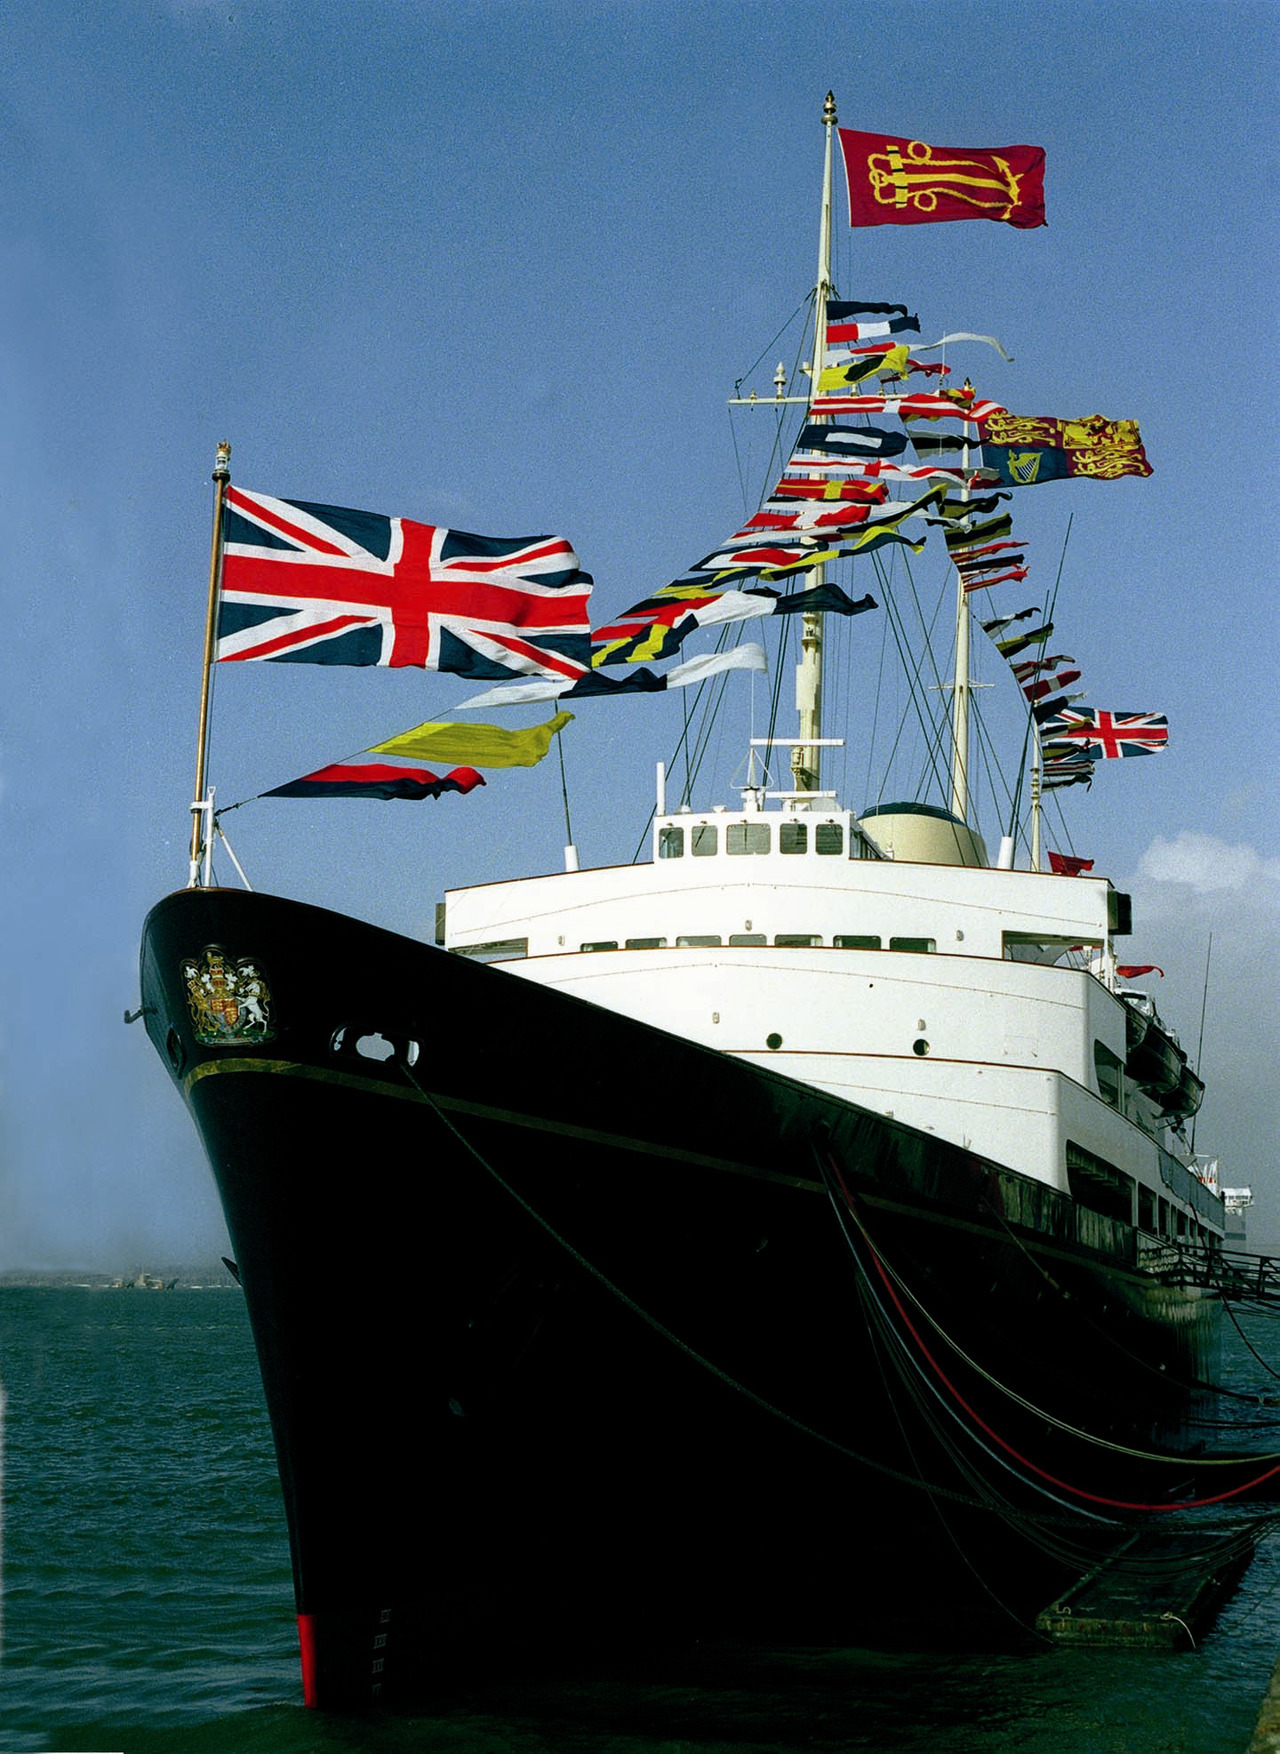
(499, 266)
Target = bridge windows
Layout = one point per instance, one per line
(746, 837)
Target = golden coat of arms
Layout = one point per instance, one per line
(229, 1001)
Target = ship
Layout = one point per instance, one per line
(752, 1240)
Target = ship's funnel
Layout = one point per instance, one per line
(923, 834)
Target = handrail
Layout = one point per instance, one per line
(1234, 1273)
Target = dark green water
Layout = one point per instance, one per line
(148, 1605)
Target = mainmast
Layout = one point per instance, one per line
(961, 689)
(806, 753)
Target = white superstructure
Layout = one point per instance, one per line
(978, 1004)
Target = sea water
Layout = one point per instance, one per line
(147, 1602)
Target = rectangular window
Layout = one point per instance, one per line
(793, 837)
(746, 837)
(705, 840)
(501, 950)
(1099, 1185)
(698, 941)
(602, 944)
(1164, 1217)
(855, 941)
(646, 943)
(1146, 1209)
(921, 946)
(828, 837)
(1109, 1072)
(797, 940)
(747, 938)
(671, 843)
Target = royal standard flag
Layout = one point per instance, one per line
(894, 181)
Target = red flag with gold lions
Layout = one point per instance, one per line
(905, 182)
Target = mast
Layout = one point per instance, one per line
(806, 753)
(202, 806)
(961, 688)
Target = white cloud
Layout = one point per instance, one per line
(1205, 864)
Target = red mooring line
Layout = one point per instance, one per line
(1079, 1491)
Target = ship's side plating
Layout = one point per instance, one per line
(546, 1296)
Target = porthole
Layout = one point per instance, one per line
(773, 1041)
(920, 1046)
(173, 1047)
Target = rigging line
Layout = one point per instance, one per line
(1040, 1412)
(875, 713)
(1204, 1003)
(937, 1508)
(652, 1321)
(1076, 1510)
(990, 756)
(1076, 1491)
(1046, 615)
(805, 303)
(930, 731)
(737, 458)
(564, 792)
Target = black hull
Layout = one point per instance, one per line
(561, 1337)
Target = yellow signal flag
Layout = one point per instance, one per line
(476, 745)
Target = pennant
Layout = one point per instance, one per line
(1033, 666)
(1049, 710)
(802, 487)
(1050, 685)
(1129, 971)
(966, 540)
(1068, 865)
(970, 555)
(849, 471)
(981, 560)
(695, 670)
(919, 405)
(1104, 449)
(961, 508)
(363, 776)
(842, 371)
(843, 326)
(1078, 776)
(853, 441)
(931, 444)
(658, 627)
(1015, 576)
(1003, 621)
(477, 745)
(1011, 647)
(1107, 736)
(896, 181)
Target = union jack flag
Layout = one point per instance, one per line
(319, 584)
(1106, 736)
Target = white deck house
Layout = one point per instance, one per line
(976, 1003)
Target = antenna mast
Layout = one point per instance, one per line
(806, 753)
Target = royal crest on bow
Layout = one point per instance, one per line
(230, 1001)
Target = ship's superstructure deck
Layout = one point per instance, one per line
(979, 1004)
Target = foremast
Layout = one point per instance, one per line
(806, 752)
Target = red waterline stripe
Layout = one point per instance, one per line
(1078, 1491)
(307, 1651)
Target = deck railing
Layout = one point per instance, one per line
(1231, 1272)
